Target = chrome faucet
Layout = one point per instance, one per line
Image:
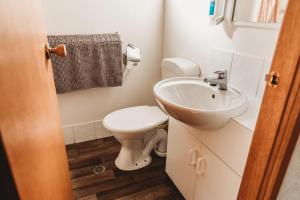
(220, 80)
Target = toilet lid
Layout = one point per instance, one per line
(134, 119)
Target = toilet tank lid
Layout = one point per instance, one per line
(134, 119)
(181, 66)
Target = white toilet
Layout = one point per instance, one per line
(136, 127)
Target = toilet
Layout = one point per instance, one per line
(136, 127)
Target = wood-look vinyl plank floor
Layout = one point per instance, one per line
(149, 183)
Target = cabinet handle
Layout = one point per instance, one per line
(200, 166)
(192, 156)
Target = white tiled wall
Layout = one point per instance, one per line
(246, 72)
(101, 132)
(219, 59)
(68, 134)
(82, 132)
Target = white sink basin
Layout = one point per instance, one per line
(196, 103)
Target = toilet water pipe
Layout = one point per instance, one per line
(159, 139)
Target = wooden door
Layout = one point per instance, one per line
(29, 118)
(278, 125)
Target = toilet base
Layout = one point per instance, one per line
(132, 156)
(137, 165)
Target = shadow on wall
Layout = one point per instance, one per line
(228, 28)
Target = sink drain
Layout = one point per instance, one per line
(99, 169)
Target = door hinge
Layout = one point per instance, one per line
(272, 79)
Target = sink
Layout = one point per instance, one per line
(196, 103)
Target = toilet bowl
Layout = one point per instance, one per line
(135, 128)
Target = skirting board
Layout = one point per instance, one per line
(82, 132)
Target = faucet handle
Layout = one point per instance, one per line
(221, 74)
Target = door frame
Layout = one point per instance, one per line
(278, 125)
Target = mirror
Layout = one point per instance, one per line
(259, 11)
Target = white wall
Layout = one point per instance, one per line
(139, 22)
(188, 33)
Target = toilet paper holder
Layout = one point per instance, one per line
(125, 55)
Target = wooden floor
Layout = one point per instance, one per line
(149, 183)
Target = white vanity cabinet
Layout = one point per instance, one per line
(181, 156)
(217, 181)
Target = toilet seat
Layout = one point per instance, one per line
(134, 119)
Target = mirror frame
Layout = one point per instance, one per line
(251, 24)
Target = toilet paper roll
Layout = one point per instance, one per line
(133, 54)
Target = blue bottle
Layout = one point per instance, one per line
(212, 7)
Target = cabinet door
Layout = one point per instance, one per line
(218, 182)
(181, 158)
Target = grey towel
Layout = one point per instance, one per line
(92, 61)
